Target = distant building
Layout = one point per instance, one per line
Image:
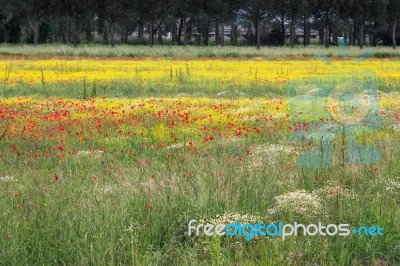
(227, 31)
(300, 33)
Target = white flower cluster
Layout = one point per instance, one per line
(227, 218)
(268, 152)
(389, 185)
(6, 178)
(95, 153)
(393, 185)
(204, 242)
(176, 145)
(271, 148)
(135, 228)
(298, 203)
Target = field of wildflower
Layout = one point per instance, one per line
(104, 161)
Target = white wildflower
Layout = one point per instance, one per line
(176, 145)
(272, 148)
(298, 202)
(6, 178)
(392, 185)
(387, 185)
(107, 189)
(95, 153)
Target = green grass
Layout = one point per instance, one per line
(79, 221)
(190, 51)
(134, 89)
(97, 212)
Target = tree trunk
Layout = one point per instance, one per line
(350, 36)
(282, 29)
(36, 32)
(258, 33)
(126, 37)
(76, 32)
(174, 35)
(112, 37)
(234, 34)
(305, 32)
(88, 27)
(373, 38)
(292, 34)
(106, 32)
(188, 32)
(62, 31)
(5, 34)
(361, 42)
(34, 23)
(321, 35)
(151, 37)
(206, 37)
(180, 29)
(140, 29)
(222, 33)
(184, 32)
(216, 32)
(75, 37)
(159, 36)
(394, 33)
(330, 35)
(326, 36)
(70, 28)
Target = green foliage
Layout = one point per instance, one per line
(121, 18)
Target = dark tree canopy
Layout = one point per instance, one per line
(182, 22)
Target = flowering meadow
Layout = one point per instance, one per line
(160, 76)
(105, 160)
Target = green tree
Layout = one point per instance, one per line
(222, 11)
(78, 11)
(361, 12)
(182, 10)
(35, 11)
(10, 19)
(393, 12)
(113, 11)
(326, 12)
(153, 11)
(293, 12)
(305, 13)
(256, 11)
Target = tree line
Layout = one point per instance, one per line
(267, 22)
